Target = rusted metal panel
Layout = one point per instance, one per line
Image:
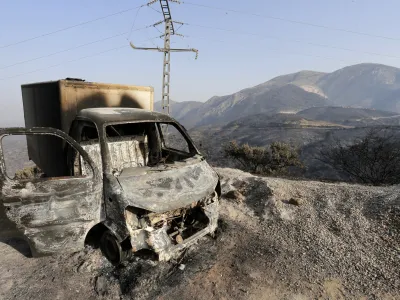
(54, 214)
(42, 109)
(78, 95)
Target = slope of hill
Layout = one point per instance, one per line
(371, 86)
(261, 130)
(281, 120)
(178, 109)
(364, 85)
(267, 99)
(307, 80)
(343, 114)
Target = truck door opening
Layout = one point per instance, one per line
(52, 213)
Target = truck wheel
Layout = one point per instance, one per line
(111, 248)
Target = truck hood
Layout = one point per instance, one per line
(172, 188)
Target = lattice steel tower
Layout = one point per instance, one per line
(169, 30)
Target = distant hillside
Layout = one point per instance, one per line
(261, 130)
(343, 115)
(307, 80)
(370, 86)
(280, 120)
(269, 99)
(178, 109)
(364, 85)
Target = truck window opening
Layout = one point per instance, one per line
(144, 144)
(20, 167)
(89, 133)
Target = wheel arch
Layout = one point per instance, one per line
(94, 234)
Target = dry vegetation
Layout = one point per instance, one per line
(272, 160)
(372, 159)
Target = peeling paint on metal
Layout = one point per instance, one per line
(54, 214)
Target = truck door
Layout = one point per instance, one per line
(54, 214)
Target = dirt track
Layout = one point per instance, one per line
(341, 242)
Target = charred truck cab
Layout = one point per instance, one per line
(133, 182)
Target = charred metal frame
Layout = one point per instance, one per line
(52, 214)
(108, 199)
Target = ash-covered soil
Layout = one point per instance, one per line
(278, 239)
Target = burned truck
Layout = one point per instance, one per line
(111, 173)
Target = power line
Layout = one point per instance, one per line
(56, 65)
(225, 42)
(294, 21)
(123, 46)
(294, 40)
(209, 27)
(277, 50)
(156, 10)
(69, 49)
(70, 61)
(70, 27)
(151, 39)
(133, 23)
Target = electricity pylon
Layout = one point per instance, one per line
(169, 30)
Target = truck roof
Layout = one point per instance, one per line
(103, 115)
(76, 82)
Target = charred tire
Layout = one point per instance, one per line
(112, 249)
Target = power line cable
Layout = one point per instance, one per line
(70, 27)
(56, 65)
(180, 25)
(277, 50)
(293, 21)
(67, 50)
(158, 30)
(70, 61)
(156, 10)
(133, 23)
(294, 40)
(123, 46)
(151, 40)
(229, 30)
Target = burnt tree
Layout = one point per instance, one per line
(372, 159)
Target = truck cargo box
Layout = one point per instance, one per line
(56, 104)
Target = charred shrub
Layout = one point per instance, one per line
(372, 159)
(275, 159)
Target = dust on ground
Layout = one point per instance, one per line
(278, 239)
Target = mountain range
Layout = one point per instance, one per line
(371, 86)
(305, 109)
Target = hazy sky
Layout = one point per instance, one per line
(255, 50)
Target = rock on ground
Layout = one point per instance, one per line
(277, 239)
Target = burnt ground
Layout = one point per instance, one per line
(278, 239)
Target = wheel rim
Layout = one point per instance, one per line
(111, 248)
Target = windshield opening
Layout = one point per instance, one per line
(146, 144)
